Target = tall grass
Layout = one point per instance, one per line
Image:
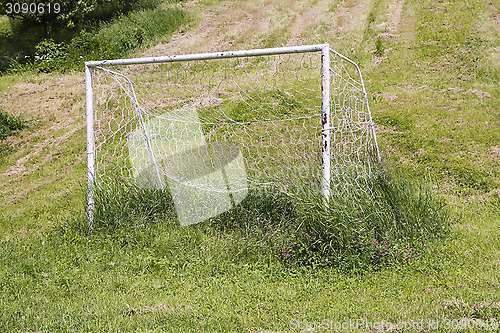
(365, 226)
(123, 35)
(122, 204)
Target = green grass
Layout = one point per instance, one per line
(446, 52)
(159, 277)
(163, 277)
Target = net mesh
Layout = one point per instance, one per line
(229, 124)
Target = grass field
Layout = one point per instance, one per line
(432, 73)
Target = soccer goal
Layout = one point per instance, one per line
(209, 127)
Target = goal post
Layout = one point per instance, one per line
(90, 144)
(211, 126)
(325, 122)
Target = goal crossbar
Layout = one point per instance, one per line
(213, 55)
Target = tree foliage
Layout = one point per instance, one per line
(71, 14)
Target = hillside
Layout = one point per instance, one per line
(448, 65)
(432, 71)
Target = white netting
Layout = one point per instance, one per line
(226, 125)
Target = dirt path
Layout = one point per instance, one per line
(238, 25)
(219, 28)
(395, 10)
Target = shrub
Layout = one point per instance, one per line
(47, 55)
(122, 29)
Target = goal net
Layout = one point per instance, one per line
(209, 127)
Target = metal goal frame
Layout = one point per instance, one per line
(325, 102)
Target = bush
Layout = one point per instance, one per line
(48, 55)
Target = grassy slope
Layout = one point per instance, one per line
(121, 282)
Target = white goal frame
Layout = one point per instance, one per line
(326, 125)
